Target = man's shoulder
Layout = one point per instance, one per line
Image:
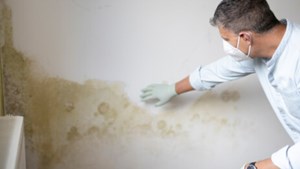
(295, 27)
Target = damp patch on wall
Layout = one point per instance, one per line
(15, 69)
(95, 125)
(61, 114)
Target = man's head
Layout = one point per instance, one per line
(244, 15)
(244, 24)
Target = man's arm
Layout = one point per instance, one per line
(183, 86)
(203, 78)
(287, 157)
(264, 164)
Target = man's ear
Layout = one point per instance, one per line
(246, 36)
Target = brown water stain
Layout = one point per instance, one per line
(228, 95)
(73, 134)
(161, 124)
(15, 69)
(59, 113)
(69, 107)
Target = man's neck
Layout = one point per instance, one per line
(268, 42)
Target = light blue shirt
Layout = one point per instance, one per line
(280, 79)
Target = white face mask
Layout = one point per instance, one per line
(237, 54)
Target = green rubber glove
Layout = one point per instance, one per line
(162, 92)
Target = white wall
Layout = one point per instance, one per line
(140, 42)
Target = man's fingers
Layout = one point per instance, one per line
(150, 97)
(147, 89)
(145, 94)
(160, 103)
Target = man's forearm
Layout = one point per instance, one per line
(183, 86)
(265, 164)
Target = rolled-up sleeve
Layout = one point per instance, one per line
(287, 157)
(222, 70)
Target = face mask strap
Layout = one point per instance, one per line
(238, 42)
(249, 51)
(238, 45)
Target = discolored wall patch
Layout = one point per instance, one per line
(95, 125)
(230, 95)
(15, 69)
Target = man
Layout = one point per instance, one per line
(256, 42)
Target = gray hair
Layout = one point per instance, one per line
(244, 15)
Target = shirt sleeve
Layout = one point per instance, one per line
(222, 70)
(288, 157)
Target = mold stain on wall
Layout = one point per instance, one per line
(15, 69)
(68, 124)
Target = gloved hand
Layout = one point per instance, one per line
(161, 92)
